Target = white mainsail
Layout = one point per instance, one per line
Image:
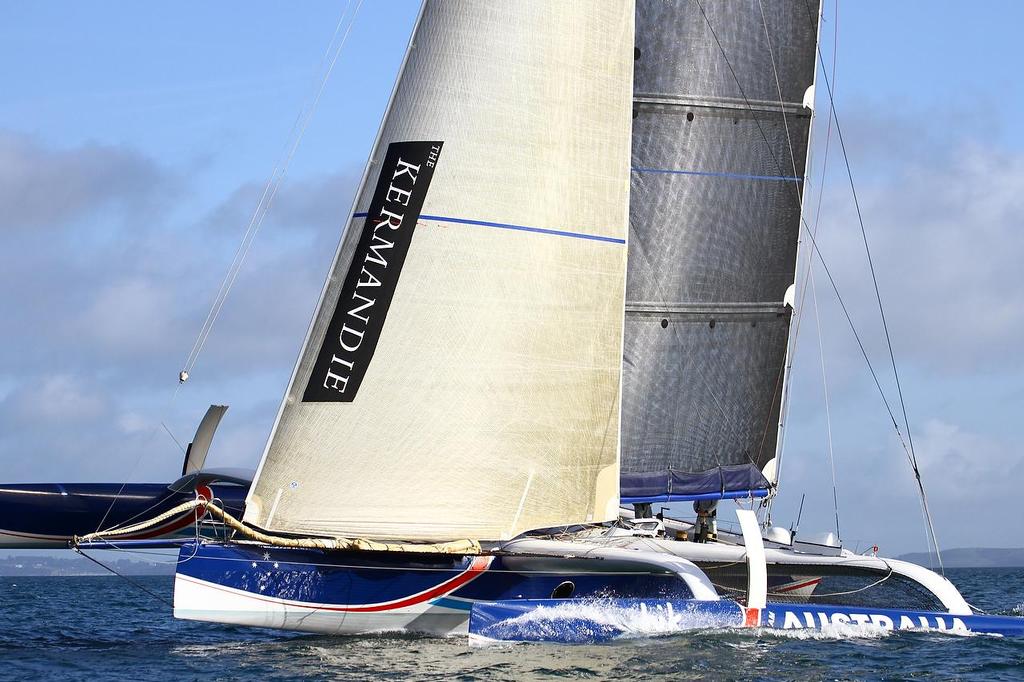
(476, 395)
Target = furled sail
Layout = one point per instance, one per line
(719, 146)
(461, 377)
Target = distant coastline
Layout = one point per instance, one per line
(971, 557)
(72, 564)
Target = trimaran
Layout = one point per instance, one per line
(488, 376)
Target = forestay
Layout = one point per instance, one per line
(461, 377)
(719, 149)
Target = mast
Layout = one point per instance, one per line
(774, 472)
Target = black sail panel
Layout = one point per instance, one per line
(716, 185)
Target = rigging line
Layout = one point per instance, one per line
(176, 441)
(778, 87)
(760, 128)
(885, 327)
(828, 409)
(270, 191)
(806, 227)
(892, 356)
(746, 100)
(273, 185)
(166, 496)
(809, 271)
(814, 230)
(138, 458)
(730, 420)
(170, 494)
(221, 291)
(824, 173)
(779, 383)
(126, 578)
(809, 278)
(931, 540)
(284, 168)
(249, 231)
(860, 344)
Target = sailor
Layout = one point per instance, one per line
(706, 527)
(642, 511)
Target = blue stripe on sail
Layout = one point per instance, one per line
(521, 228)
(688, 497)
(719, 174)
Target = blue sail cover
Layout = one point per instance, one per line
(725, 482)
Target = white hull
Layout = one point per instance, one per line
(204, 601)
(797, 563)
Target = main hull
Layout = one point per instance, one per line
(364, 592)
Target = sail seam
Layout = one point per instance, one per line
(754, 106)
(769, 309)
(719, 174)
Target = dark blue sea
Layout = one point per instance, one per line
(89, 628)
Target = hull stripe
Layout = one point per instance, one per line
(33, 536)
(172, 525)
(790, 588)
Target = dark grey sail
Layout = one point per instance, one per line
(720, 136)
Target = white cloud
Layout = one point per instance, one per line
(104, 307)
(959, 465)
(134, 315)
(132, 422)
(944, 216)
(947, 243)
(58, 398)
(44, 187)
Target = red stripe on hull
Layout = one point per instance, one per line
(790, 588)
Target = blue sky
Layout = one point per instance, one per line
(135, 139)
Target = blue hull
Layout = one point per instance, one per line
(48, 515)
(572, 621)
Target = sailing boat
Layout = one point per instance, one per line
(490, 373)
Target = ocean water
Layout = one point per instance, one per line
(89, 628)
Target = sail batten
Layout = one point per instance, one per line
(462, 376)
(718, 156)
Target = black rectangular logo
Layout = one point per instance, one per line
(373, 275)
